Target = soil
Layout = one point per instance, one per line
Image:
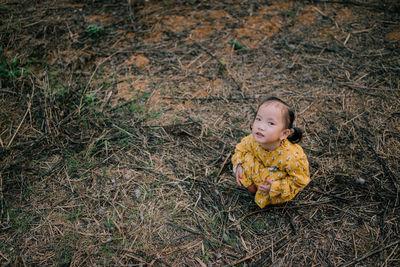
(119, 119)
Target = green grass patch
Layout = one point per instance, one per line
(20, 220)
(95, 31)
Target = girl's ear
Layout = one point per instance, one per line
(285, 134)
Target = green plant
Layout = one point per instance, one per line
(229, 238)
(20, 220)
(65, 256)
(95, 31)
(89, 101)
(109, 224)
(93, 148)
(75, 215)
(206, 257)
(236, 45)
(60, 94)
(261, 225)
(72, 163)
(290, 12)
(9, 71)
(154, 113)
(137, 107)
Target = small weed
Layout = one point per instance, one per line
(109, 224)
(65, 255)
(90, 99)
(9, 71)
(60, 95)
(95, 146)
(236, 45)
(4, 247)
(229, 238)
(55, 73)
(89, 102)
(95, 31)
(106, 84)
(155, 114)
(260, 225)
(20, 220)
(109, 249)
(145, 95)
(213, 243)
(139, 246)
(28, 192)
(72, 163)
(75, 215)
(56, 85)
(137, 107)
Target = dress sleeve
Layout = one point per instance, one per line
(245, 157)
(297, 178)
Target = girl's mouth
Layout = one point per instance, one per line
(259, 134)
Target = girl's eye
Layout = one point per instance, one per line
(258, 119)
(270, 123)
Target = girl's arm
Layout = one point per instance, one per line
(239, 176)
(244, 162)
(238, 170)
(297, 178)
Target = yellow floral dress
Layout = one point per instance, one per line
(286, 168)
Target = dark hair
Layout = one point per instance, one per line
(297, 134)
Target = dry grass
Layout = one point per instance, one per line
(115, 144)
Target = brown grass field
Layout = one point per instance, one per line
(118, 120)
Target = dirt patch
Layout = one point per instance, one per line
(100, 20)
(394, 35)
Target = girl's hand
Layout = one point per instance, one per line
(239, 174)
(265, 187)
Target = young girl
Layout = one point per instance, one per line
(268, 161)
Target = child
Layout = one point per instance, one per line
(268, 161)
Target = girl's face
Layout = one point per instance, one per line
(269, 127)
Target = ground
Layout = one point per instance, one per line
(119, 119)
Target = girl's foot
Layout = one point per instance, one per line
(252, 188)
